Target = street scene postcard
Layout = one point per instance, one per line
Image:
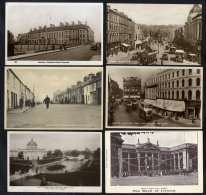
(72, 163)
(53, 98)
(154, 161)
(154, 97)
(54, 33)
(154, 34)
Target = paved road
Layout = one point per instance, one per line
(157, 180)
(57, 116)
(83, 53)
(123, 118)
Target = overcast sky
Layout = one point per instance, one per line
(24, 16)
(47, 81)
(165, 138)
(117, 74)
(52, 141)
(160, 14)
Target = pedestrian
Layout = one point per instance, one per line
(21, 102)
(47, 101)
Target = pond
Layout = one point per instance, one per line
(70, 166)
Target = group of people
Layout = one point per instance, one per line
(28, 103)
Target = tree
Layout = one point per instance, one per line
(57, 153)
(97, 153)
(49, 154)
(21, 155)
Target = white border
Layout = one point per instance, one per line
(91, 189)
(139, 189)
(151, 67)
(52, 128)
(56, 62)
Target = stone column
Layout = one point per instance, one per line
(174, 161)
(120, 162)
(138, 160)
(152, 161)
(178, 157)
(158, 160)
(145, 160)
(128, 163)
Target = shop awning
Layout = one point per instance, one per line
(138, 42)
(132, 96)
(170, 105)
(125, 45)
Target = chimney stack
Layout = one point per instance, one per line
(138, 141)
(157, 143)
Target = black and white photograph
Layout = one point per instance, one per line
(72, 163)
(154, 34)
(53, 98)
(154, 97)
(154, 161)
(54, 33)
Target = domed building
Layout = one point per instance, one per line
(31, 152)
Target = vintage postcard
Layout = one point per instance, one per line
(154, 161)
(72, 163)
(55, 35)
(53, 98)
(154, 97)
(154, 34)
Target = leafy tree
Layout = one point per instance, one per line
(49, 154)
(57, 153)
(21, 155)
(97, 153)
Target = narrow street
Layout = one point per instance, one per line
(57, 116)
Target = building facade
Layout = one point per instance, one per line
(132, 88)
(176, 90)
(65, 33)
(16, 89)
(120, 29)
(142, 158)
(87, 91)
(31, 152)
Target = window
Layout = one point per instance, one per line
(198, 82)
(177, 73)
(177, 83)
(198, 95)
(168, 95)
(189, 95)
(173, 75)
(177, 95)
(198, 71)
(190, 71)
(183, 72)
(190, 82)
(169, 85)
(173, 84)
(173, 95)
(183, 95)
(183, 83)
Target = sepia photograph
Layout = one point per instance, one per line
(148, 162)
(55, 34)
(72, 163)
(154, 97)
(154, 34)
(53, 98)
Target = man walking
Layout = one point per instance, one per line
(47, 101)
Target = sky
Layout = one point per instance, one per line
(47, 81)
(159, 14)
(51, 141)
(117, 74)
(165, 138)
(24, 16)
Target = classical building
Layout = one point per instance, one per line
(87, 91)
(65, 33)
(31, 152)
(176, 90)
(193, 30)
(142, 157)
(16, 89)
(132, 87)
(120, 29)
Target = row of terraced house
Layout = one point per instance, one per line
(87, 91)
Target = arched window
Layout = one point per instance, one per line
(183, 95)
(177, 95)
(183, 82)
(168, 94)
(190, 82)
(189, 95)
(169, 85)
(183, 72)
(177, 73)
(173, 84)
(198, 82)
(198, 95)
(177, 83)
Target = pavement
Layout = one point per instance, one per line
(166, 180)
(123, 118)
(96, 58)
(78, 53)
(59, 116)
(18, 110)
